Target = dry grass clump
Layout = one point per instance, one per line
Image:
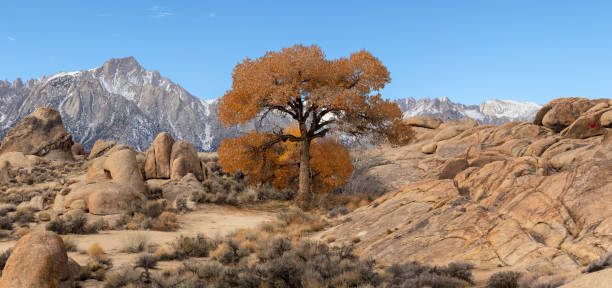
(167, 221)
(413, 274)
(76, 224)
(504, 279)
(135, 242)
(151, 214)
(232, 189)
(198, 246)
(97, 265)
(95, 251)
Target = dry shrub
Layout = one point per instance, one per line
(74, 225)
(24, 215)
(134, 242)
(6, 223)
(122, 278)
(152, 214)
(413, 274)
(167, 221)
(95, 251)
(198, 246)
(536, 280)
(504, 279)
(163, 254)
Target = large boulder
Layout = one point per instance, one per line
(157, 159)
(18, 160)
(606, 119)
(112, 181)
(184, 159)
(100, 147)
(4, 171)
(561, 113)
(77, 149)
(465, 123)
(585, 126)
(40, 133)
(448, 132)
(123, 169)
(429, 148)
(452, 167)
(96, 171)
(102, 198)
(173, 190)
(423, 121)
(39, 260)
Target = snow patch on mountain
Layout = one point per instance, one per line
(493, 112)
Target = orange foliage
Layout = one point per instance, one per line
(278, 165)
(301, 83)
(247, 154)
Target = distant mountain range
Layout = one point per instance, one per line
(491, 112)
(124, 102)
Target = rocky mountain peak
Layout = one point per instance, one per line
(120, 101)
(122, 64)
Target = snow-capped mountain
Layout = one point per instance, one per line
(124, 102)
(493, 112)
(118, 101)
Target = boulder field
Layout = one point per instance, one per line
(116, 174)
(529, 196)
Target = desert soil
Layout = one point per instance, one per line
(211, 220)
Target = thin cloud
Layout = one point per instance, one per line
(212, 15)
(161, 15)
(159, 12)
(115, 35)
(10, 38)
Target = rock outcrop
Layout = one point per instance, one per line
(520, 195)
(100, 147)
(112, 181)
(183, 160)
(423, 121)
(40, 133)
(4, 171)
(39, 260)
(575, 117)
(157, 163)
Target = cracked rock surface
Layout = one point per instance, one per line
(532, 196)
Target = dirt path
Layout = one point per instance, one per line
(212, 220)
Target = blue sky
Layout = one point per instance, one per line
(468, 51)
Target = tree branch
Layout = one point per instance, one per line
(321, 133)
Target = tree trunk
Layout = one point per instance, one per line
(303, 196)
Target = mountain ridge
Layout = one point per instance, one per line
(124, 102)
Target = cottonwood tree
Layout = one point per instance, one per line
(318, 95)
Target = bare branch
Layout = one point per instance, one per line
(321, 133)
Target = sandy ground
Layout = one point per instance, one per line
(212, 220)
